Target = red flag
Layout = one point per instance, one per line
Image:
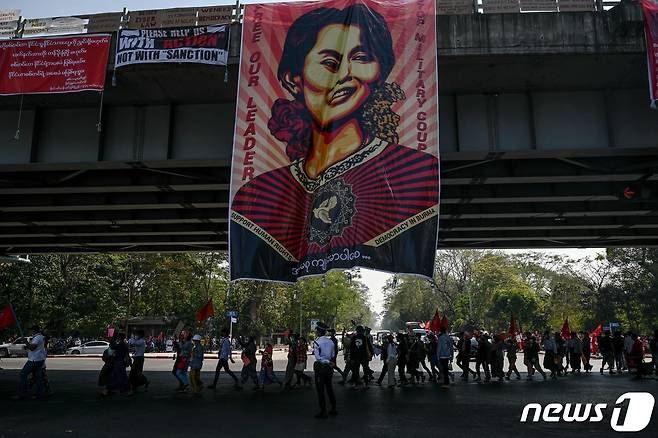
(595, 343)
(7, 317)
(597, 331)
(513, 328)
(205, 312)
(566, 331)
(435, 323)
(444, 322)
(160, 336)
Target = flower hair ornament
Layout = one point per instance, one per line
(291, 123)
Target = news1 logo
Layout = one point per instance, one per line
(636, 407)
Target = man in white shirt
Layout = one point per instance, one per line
(324, 351)
(137, 377)
(36, 358)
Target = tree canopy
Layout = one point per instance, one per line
(84, 294)
(485, 288)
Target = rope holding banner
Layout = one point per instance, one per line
(99, 125)
(17, 136)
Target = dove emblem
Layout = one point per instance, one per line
(323, 210)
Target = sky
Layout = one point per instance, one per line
(57, 8)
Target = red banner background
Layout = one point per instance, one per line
(53, 65)
(651, 30)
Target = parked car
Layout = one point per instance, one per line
(15, 348)
(92, 347)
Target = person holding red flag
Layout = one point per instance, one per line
(595, 338)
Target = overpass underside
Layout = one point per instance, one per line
(546, 141)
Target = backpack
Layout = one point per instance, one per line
(107, 355)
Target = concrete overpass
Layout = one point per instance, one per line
(545, 125)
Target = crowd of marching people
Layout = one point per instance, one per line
(407, 358)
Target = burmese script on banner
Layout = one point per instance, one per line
(335, 156)
(196, 45)
(53, 65)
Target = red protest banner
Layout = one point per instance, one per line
(53, 65)
(651, 31)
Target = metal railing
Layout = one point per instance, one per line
(444, 7)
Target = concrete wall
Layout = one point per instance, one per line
(543, 121)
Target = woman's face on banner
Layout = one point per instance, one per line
(338, 74)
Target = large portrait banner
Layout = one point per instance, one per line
(650, 9)
(53, 65)
(195, 45)
(335, 155)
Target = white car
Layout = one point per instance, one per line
(92, 347)
(16, 348)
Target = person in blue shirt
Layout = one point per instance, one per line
(324, 351)
(225, 355)
(445, 352)
(136, 377)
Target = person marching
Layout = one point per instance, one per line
(323, 349)
(384, 357)
(512, 348)
(292, 360)
(332, 336)
(302, 359)
(607, 351)
(359, 356)
(586, 344)
(402, 353)
(249, 362)
(464, 356)
(550, 354)
(267, 375)
(182, 362)
(196, 363)
(531, 354)
(36, 360)
(575, 348)
(136, 377)
(224, 356)
(445, 353)
(482, 357)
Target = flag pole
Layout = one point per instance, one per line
(18, 322)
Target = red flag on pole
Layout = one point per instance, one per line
(513, 328)
(566, 331)
(435, 323)
(7, 317)
(205, 312)
(444, 322)
(595, 343)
